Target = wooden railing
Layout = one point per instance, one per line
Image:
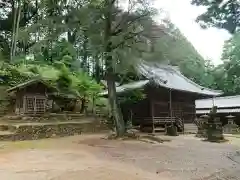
(197, 122)
(161, 120)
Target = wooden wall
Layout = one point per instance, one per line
(157, 103)
(182, 103)
(137, 111)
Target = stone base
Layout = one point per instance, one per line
(171, 131)
(214, 132)
(201, 133)
(231, 129)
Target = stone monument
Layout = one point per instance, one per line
(214, 127)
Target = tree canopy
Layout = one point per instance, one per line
(73, 45)
(220, 13)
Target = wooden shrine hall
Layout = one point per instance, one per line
(170, 97)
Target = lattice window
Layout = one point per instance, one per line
(35, 104)
(30, 104)
(40, 105)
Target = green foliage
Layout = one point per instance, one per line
(174, 48)
(132, 96)
(64, 80)
(67, 44)
(227, 75)
(220, 13)
(72, 33)
(85, 85)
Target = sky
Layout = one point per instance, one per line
(208, 42)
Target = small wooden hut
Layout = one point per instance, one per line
(170, 97)
(31, 97)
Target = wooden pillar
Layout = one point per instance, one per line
(170, 104)
(24, 104)
(19, 104)
(152, 115)
(35, 105)
(44, 104)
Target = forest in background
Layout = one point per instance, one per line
(74, 44)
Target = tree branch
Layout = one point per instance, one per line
(113, 1)
(117, 30)
(139, 50)
(127, 38)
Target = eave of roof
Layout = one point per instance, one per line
(129, 86)
(168, 77)
(220, 102)
(27, 83)
(220, 111)
(171, 78)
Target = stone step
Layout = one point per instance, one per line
(158, 129)
(190, 128)
(6, 133)
(5, 127)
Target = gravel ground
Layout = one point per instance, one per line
(89, 157)
(184, 158)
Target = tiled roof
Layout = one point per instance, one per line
(166, 76)
(129, 86)
(170, 77)
(220, 102)
(235, 110)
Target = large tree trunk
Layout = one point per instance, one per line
(97, 73)
(85, 53)
(17, 30)
(112, 97)
(14, 20)
(115, 109)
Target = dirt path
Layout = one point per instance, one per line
(73, 162)
(65, 165)
(90, 157)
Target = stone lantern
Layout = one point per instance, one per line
(230, 119)
(205, 117)
(214, 129)
(231, 127)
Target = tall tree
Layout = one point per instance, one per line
(16, 21)
(122, 31)
(220, 13)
